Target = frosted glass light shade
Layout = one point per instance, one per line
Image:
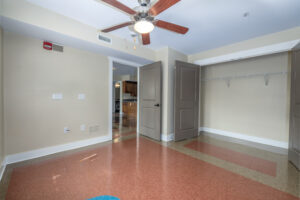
(143, 26)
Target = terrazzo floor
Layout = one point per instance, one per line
(139, 168)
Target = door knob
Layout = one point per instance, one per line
(157, 105)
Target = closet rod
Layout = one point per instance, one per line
(247, 76)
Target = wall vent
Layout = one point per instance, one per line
(58, 48)
(104, 39)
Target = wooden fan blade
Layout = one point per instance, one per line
(146, 38)
(120, 6)
(161, 6)
(171, 27)
(117, 27)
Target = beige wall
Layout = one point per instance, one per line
(1, 104)
(270, 39)
(248, 106)
(172, 57)
(31, 75)
(162, 55)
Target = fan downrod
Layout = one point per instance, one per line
(144, 3)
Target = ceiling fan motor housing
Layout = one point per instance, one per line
(143, 15)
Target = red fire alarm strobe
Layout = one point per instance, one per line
(47, 45)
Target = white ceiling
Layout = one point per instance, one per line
(212, 23)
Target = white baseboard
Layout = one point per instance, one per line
(14, 158)
(265, 141)
(2, 169)
(167, 138)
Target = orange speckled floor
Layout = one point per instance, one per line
(134, 169)
(245, 160)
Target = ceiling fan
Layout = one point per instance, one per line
(143, 18)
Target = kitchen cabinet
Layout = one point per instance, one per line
(130, 87)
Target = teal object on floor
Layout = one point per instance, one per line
(105, 198)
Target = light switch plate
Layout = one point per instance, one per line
(57, 96)
(82, 127)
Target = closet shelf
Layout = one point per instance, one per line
(265, 75)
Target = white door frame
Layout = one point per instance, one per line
(110, 81)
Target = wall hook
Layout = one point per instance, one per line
(266, 77)
(228, 83)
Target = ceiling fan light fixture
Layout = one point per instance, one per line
(143, 26)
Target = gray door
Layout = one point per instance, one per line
(186, 105)
(294, 143)
(150, 101)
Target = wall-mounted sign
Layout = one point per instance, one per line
(47, 45)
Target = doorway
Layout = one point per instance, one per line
(124, 100)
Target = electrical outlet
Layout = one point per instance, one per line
(67, 130)
(82, 127)
(91, 129)
(94, 128)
